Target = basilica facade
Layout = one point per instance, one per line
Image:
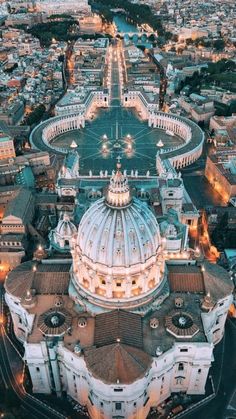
(133, 316)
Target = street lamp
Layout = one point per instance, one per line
(160, 144)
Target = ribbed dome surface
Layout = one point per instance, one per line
(65, 228)
(118, 236)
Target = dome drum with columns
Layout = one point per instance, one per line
(117, 253)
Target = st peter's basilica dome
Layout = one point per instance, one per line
(117, 246)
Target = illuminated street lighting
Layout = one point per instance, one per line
(160, 144)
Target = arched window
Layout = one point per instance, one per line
(181, 366)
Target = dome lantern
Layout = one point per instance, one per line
(118, 194)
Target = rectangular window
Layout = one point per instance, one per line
(144, 404)
(118, 406)
(118, 389)
(181, 366)
(183, 350)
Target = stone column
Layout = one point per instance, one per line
(109, 286)
(128, 288)
(144, 282)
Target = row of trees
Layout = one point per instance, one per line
(61, 30)
(214, 72)
(217, 44)
(35, 116)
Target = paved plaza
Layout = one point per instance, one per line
(117, 123)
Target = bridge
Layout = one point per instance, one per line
(141, 36)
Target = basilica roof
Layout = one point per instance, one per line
(43, 278)
(118, 325)
(117, 363)
(208, 278)
(118, 345)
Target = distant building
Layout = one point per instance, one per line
(7, 149)
(29, 169)
(193, 33)
(12, 250)
(19, 213)
(58, 7)
(199, 108)
(12, 114)
(25, 177)
(221, 172)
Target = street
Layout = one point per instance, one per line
(225, 377)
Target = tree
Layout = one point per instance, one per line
(219, 44)
(36, 115)
(232, 107)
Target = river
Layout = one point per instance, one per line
(124, 26)
(127, 27)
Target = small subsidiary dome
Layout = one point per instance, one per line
(61, 237)
(65, 228)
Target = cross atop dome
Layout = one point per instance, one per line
(118, 194)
